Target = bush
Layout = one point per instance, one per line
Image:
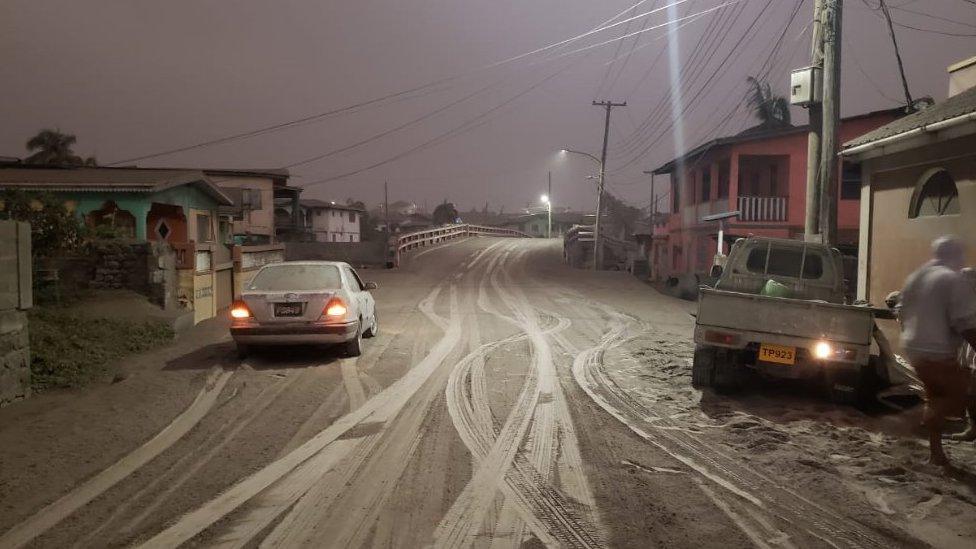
(71, 351)
(53, 228)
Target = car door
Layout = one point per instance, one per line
(364, 299)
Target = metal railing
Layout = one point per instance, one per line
(429, 237)
(763, 208)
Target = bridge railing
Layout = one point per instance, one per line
(429, 237)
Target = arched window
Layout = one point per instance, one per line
(937, 195)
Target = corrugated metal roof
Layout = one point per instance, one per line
(88, 179)
(958, 105)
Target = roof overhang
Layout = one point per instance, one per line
(953, 128)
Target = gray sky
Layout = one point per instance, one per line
(131, 78)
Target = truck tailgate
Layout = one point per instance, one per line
(787, 317)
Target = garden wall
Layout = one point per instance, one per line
(15, 298)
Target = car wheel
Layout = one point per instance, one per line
(242, 351)
(354, 347)
(374, 329)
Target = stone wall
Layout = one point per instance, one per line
(121, 265)
(14, 357)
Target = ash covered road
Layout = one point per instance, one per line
(507, 401)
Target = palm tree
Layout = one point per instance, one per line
(771, 110)
(54, 147)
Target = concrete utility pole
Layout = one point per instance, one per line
(811, 224)
(827, 174)
(597, 243)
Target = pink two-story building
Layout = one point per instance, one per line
(761, 173)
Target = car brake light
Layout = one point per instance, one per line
(721, 338)
(335, 308)
(239, 310)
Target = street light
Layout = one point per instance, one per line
(597, 244)
(545, 200)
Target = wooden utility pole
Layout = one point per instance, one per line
(827, 174)
(811, 223)
(597, 243)
(386, 205)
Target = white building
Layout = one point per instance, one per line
(332, 222)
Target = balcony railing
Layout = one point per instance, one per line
(763, 208)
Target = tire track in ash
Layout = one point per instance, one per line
(54, 513)
(527, 484)
(365, 483)
(179, 471)
(376, 411)
(766, 501)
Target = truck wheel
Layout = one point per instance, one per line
(730, 374)
(857, 389)
(703, 366)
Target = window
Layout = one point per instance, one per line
(204, 229)
(335, 237)
(723, 178)
(693, 187)
(318, 213)
(706, 190)
(937, 196)
(251, 199)
(850, 181)
(356, 283)
(295, 278)
(352, 217)
(675, 195)
(773, 180)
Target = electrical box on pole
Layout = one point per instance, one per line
(806, 86)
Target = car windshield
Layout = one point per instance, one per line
(285, 278)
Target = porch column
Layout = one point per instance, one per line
(296, 211)
(140, 212)
(864, 235)
(734, 181)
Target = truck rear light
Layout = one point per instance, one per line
(824, 350)
(721, 338)
(239, 310)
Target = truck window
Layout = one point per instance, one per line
(785, 261)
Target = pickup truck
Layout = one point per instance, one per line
(801, 330)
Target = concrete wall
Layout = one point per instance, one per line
(354, 253)
(15, 298)
(898, 244)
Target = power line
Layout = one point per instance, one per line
(382, 99)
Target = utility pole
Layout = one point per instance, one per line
(827, 174)
(549, 204)
(597, 244)
(386, 206)
(811, 225)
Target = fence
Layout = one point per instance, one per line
(430, 237)
(762, 208)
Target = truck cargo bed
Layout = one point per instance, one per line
(786, 317)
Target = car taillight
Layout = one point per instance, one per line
(239, 310)
(335, 308)
(721, 338)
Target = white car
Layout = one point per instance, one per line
(304, 302)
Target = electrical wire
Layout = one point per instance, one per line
(384, 98)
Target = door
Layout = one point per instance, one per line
(225, 288)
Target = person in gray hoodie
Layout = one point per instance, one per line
(938, 314)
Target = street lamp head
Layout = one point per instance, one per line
(545, 199)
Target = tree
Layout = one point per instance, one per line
(772, 111)
(54, 147)
(445, 213)
(53, 228)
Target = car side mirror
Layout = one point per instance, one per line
(717, 271)
(370, 286)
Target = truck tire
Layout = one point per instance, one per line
(858, 389)
(703, 366)
(730, 374)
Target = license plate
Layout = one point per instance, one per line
(288, 309)
(779, 354)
